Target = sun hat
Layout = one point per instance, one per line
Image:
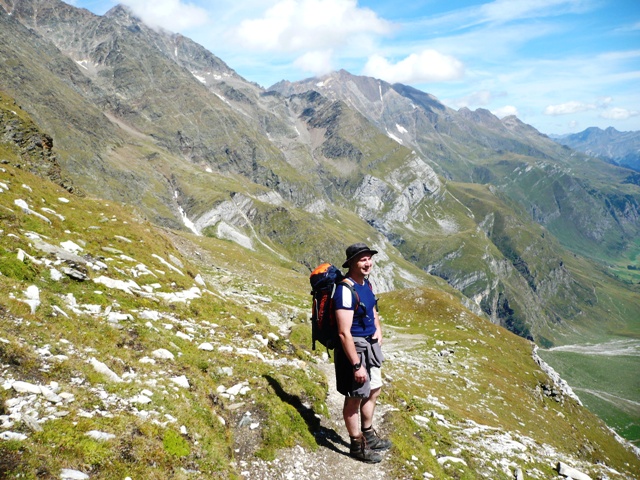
(355, 250)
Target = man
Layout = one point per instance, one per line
(358, 354)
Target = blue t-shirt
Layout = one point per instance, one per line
(363, 319)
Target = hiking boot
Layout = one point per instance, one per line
(374, 442)
(360, 451)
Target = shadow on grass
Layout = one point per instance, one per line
(326, 437)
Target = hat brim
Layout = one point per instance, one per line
(366, 250)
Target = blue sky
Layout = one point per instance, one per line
(559, 65)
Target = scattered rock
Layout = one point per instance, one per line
(75, 274)
(443, 460)
(163, 354)
(181, 381)
(12, 436)
(100, 436)
(570, 472)
(68, 474)
(103, 369)
(24, 387)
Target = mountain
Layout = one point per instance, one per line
(199, 147)
(516, 228)
(620, 148)
(133, 350)
(478, 147)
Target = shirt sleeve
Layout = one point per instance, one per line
(343, 298)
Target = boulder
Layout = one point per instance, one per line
(570, 472)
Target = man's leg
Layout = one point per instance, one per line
(358, 448)
(368, 407)
(351, 415)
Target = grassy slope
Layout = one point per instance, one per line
(489, 378)
(155, 449)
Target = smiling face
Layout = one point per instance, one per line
(361, 266)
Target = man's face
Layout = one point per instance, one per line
(363, 263)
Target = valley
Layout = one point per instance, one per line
(604, 377)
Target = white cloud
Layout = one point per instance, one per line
(567, 108)
(480, 98)
(299, 25)
(173, 15)
(426, 66)
(618, 113)
(505, 111)
(317, 62)
(603, 102)
(508, 10)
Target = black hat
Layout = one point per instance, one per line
(355, 250)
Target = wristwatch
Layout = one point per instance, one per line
(356, 366)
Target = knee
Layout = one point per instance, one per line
(352, 405)
(374, 393)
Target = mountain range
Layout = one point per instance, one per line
(619, 148)
(524, 232)
(462, 195)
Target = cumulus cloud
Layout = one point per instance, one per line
(479, 98)
(173, 15)
(505, 111)
(618, 114)
(317, 62)
(424, 67)
(300, 25)
(569, 107)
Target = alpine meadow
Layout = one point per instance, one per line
(160, 216)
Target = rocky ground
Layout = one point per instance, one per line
(331, 459)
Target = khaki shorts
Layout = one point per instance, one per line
(376, 378)
(345, 383)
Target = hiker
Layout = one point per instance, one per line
(358, 354)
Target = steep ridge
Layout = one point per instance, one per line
(135, 351)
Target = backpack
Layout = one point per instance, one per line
(324, 280)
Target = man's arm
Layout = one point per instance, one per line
(345, 319)
(378, 334)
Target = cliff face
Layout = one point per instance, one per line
(20, 136)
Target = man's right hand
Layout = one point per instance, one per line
(360, 375)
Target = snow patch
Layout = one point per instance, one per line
(187, 223)
(393, 137)
(199, 78)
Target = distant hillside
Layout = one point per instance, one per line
(620, 148)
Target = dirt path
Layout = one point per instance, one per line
(331, 460)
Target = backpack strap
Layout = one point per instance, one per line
(347, 282)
